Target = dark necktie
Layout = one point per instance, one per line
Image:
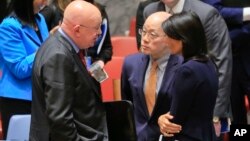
(81, 54)
(150, 90)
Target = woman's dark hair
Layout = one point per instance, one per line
(187, 27)
(90, 1)
(3, 9)
(24, 10)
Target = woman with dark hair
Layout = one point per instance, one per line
(195, 85)
(22, 32)
(101, 52)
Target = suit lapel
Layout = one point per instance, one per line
(86, 74)
(31, 34)
(83, 69)
(173, 64)
(187, 6)
(140, 77)
(43, 28)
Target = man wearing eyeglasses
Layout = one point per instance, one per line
(147, 76)
(66, 99)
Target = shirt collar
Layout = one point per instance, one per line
(162, 62)
(69, 39)
(177, 8)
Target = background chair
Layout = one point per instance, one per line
(120, 121)
(110, 85)
(123, 45)
(132, 29)
(19, 128)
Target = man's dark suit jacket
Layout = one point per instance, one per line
(194, 92)
(132, 83)
(66, 100)
(232, 11)
(219, 47)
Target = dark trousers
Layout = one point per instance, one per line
(240, 88)
(11, 107)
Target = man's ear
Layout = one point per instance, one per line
(76, 30)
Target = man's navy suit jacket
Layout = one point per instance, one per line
(133, 74)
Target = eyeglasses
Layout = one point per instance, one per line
(151, 35)
(93, 28)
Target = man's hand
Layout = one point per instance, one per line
(217, 126)
(168, 128)
(101, 63)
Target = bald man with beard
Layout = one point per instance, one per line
(136, 73)
(66, 99)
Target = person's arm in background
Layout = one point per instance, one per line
(106, 52)
(237, 19)
(18, 49)
(232, 15)
(14, 53)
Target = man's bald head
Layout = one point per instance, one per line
(79, 11)
(153, 36)
(81, 22)
(157, 18)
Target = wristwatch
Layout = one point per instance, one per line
(216, 119)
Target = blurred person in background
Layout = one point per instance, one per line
(237, 17)
(22, 33)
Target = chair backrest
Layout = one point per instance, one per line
(113, 69)
(19, 128)
(123, 45)
(120, 121)
(132, 27)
